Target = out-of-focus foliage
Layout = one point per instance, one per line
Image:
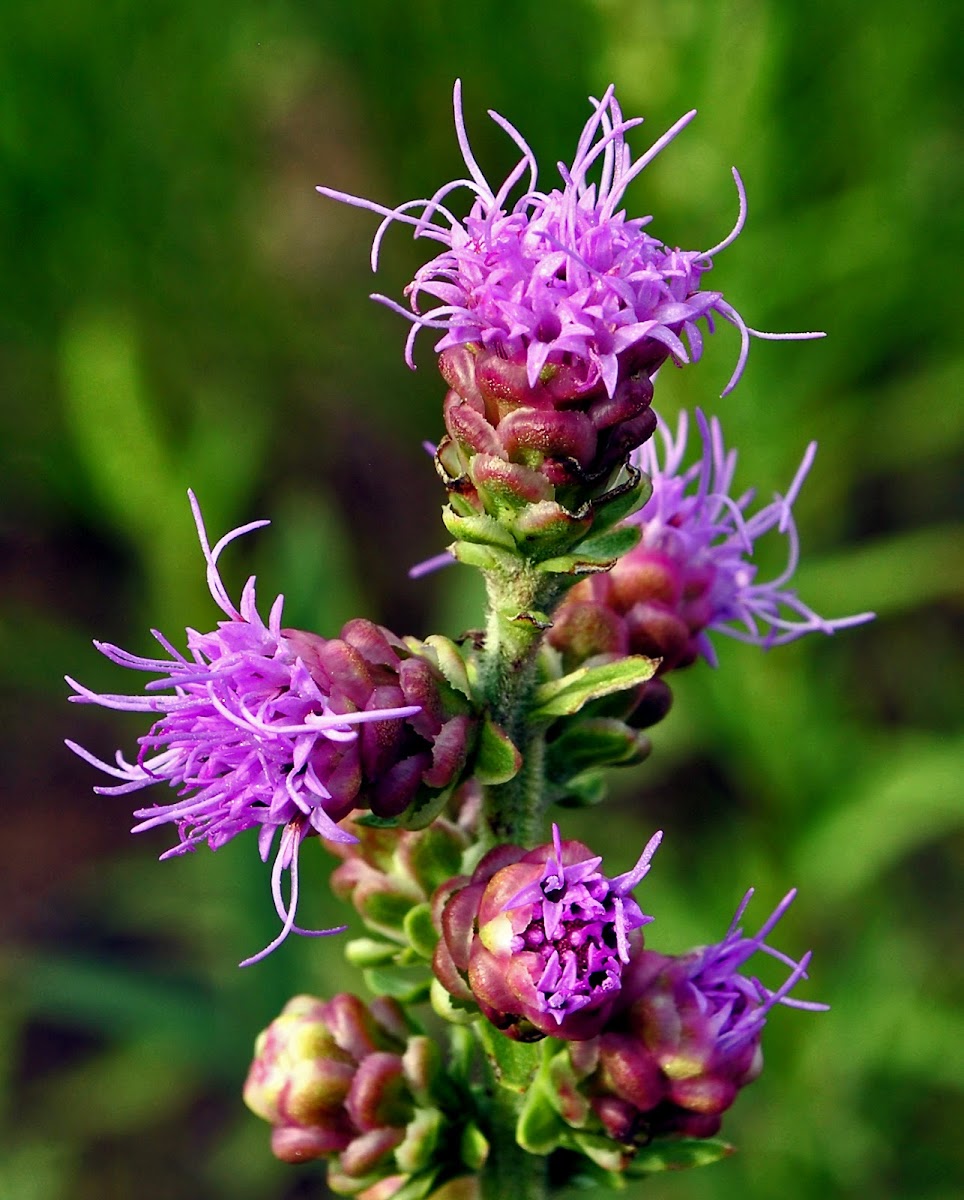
(181, 308)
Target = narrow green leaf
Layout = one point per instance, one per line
(435, 857)
(370, 952)
(622, 500)
(588, 1177)
(479, 529)
(418, 1186)
(539, 1129)
(613, 544)
(485, 558)
(679, 1155)
(565, 696)
(595, 742)
(474, 1147)
(373, 821)
(516, 1063)
(417, 1151)
(576, 565)
(582, 791)
(425, 807)
(603, 1151)
(385, 910)
(421, 933)
(451, 663)
(462, 506)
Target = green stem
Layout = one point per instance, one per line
(518, 604)
(510, 1172)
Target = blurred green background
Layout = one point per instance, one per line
(180, 308)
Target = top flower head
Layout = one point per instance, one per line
(561, 277)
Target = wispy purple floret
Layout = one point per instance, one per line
(243, 732)
(561, 277)
(708, 534)
(736, 1005)
(686, 1035)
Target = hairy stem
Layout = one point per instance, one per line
(514, 812)
(510, 1172)
(517, 620)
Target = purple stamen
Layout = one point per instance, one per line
(691, 518)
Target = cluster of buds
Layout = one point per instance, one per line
(683, 1042)
(353, 1085)
(285, 731)
(539, 939)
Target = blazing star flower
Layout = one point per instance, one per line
(686, 1037)
(692, 571)
(692, 519)
(736, 1006)
(553, 937)
(245, 733)
(561, 278)
(701, 1020)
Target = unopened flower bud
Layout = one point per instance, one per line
(350, 1083)
(388, 873)
(305, 1066)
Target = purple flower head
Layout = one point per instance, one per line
(561, 278)
(693, 520)
(539, 938)
(700, 1020)
(735, 1006)
(693, 571)
(578, 921)
(685, 1036)
(243, 731)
